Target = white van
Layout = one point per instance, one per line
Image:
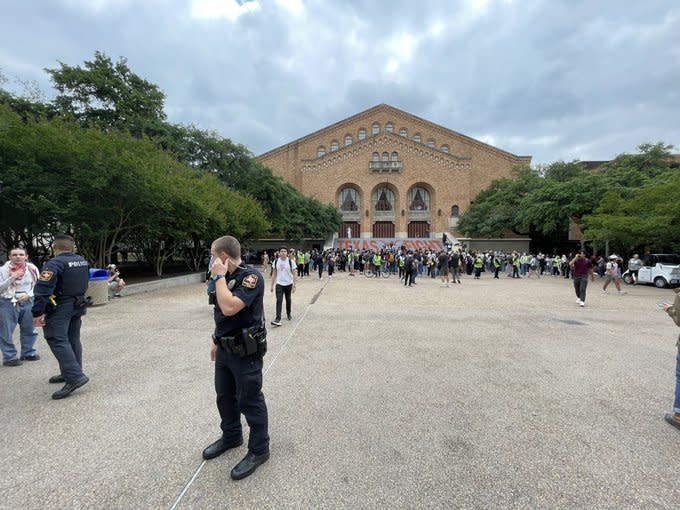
(661, 269)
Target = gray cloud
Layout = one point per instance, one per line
(555, 79)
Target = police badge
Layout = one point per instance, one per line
(250, 281)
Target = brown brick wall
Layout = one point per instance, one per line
(452, 179)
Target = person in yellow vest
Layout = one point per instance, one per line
(515, 264)
(496, 265)
(478, 265)
(377, 262)
(300, 263)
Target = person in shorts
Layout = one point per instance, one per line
(116, 283)
(611, 274)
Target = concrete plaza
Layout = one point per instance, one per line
(490, 394)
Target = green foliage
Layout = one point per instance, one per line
(108, 188)
(102, 162)
(498, 208)
(107, 95)
(551, 205)
(633, 201)
(648, 218)
(292, 215)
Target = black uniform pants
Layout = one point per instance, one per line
(62, 333)
(238, 384)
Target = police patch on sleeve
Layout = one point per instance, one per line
(250, 281)
(46, 276)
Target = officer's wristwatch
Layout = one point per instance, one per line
(218, 277)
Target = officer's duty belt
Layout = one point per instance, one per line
(231, 344)
(249, 343)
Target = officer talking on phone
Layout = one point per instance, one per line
(239, 344)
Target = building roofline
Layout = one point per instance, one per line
(380, 106)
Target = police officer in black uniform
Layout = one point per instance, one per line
(58, 307)
(239, 343)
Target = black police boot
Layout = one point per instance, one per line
(70, 388)
(248, 465)
(57, 379)
(219, 447)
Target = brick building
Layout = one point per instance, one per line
(392, 174)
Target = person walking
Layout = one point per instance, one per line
(634, 266)
(58, 308)
(674, 312)
(454, 265)
(318, 260)
(582, 269)
(443, 267)
(300, 261)
(496, 265)
(612, 275)
(17, 280)
(239, 344)
(409, 269)
(285, 279)
(478, 265)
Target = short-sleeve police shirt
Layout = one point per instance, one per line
(66, 275)
(247, 284)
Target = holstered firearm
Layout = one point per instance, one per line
(250, 342)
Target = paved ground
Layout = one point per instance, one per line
(491, 394)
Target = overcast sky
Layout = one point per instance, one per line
(553, 79)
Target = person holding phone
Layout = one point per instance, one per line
(17, 281)
(116, 283)
(674, 312)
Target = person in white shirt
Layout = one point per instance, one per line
(612, 274)
(17, 280)
(285, 278)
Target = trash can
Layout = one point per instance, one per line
(98, 287)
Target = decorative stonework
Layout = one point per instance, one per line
(454, 178)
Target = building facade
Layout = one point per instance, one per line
(391, 175)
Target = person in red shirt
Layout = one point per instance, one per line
(581, 268)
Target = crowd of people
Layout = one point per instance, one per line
(453, 263)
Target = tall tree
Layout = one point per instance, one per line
(497, 209)
(108, 95)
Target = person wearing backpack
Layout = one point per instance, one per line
(285, 278)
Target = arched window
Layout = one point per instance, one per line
(385, 156)
(362, 134)
(375, 129)
(395, 156)
(430, 143)
(454, 211)
(348, 140)
(383, 199)
(334, 145)
(348, 200)
(403, 132)
(445, 148)
(418, 199)
(376, 156)
(320, 151)
(416, 138)
(389, 127)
